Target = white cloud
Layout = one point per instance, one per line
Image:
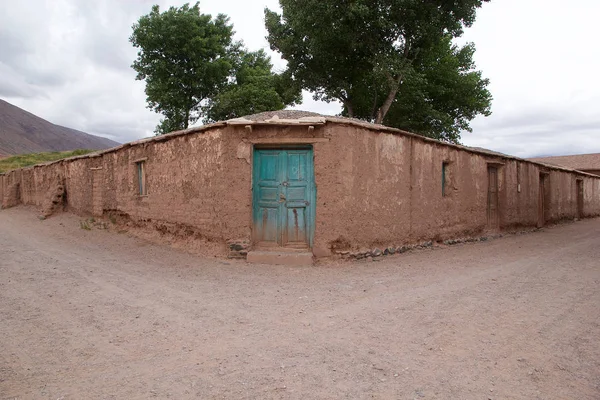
(69, 61)
(542, 60)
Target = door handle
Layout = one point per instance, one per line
(282, 198)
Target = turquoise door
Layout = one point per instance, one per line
(283, 196)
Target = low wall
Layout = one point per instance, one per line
(375, 187)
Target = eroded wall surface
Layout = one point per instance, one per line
(374, 189)
(377, 189)
(194, 182)
(11, 192)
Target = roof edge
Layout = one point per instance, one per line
(313, 120)
(279, 121)
(490, 153)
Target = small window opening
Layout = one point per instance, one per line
(141, 175)
(444, 174)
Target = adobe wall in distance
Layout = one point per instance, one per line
(592, 171)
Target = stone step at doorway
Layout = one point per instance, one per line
(280, 257)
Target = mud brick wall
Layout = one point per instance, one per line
(193, 181)
(79, 185)
(519, 199)
(46, 178)
(591, 197)
(11, 191)
(378, 189)
(375, 187)
(28, 187)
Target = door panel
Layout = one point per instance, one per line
(296, 188)
(268, 224)
(269, 166)
(297, 162)
(283, 189)
(493, 218)
(296, 227)
(266, 194)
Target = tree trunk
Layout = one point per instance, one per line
(349, 108)
(374, 109)
(385, 107)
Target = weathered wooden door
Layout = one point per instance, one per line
(579, 198)
(283, 197)
(492, 203)
(542, 202)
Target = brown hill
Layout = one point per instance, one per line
(22, 132)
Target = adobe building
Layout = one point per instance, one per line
(589, 163)
(294, 184)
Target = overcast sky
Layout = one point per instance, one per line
(68, 61)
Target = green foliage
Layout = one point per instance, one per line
(254, 88)
(85, 224)
(25, 160)
(379, 57)
(194, 69)
(89, 223)
(184, 58)
(439, 96)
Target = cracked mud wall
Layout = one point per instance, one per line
(192, 181)
(373, 188)
(11, 192)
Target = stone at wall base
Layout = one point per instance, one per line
(280, 258)
(238, 248)
(321, 252)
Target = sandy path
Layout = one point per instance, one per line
(100, 315)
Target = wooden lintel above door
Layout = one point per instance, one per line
(287, 140)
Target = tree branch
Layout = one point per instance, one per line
(349, 108)
(385, 107)
(348, 104)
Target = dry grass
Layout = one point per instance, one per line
(25, 160)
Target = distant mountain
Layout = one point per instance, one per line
(22, 132)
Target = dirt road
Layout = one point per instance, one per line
(100, 315)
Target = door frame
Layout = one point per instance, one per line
(580, 196)
(312, 187)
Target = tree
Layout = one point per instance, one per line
(184, 58)
(253, 88)
(193, 68)
(441, 93)
(377, 57)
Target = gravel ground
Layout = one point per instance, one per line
(101, 315)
